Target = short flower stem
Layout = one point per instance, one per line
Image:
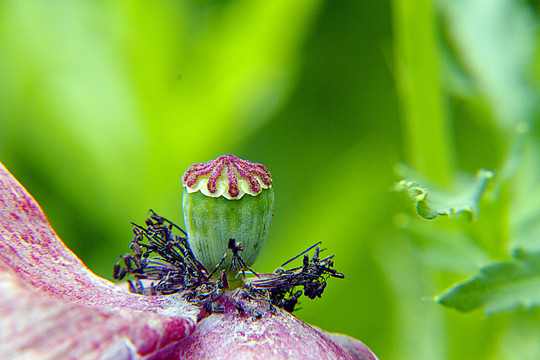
(235, 283)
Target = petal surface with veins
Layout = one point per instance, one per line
(52, 306)
(272, 336)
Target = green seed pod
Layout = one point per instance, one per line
(227, 198)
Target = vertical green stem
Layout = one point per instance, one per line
(426, 139)
(426, 128)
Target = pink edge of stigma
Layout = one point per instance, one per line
(245, 169)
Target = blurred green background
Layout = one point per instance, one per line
(104, 104)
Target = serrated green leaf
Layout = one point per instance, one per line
(499, 287)
(464, 199)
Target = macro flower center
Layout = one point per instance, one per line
(225, 233)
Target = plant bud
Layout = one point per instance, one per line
(227, 198)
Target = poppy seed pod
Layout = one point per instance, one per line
(227, 198)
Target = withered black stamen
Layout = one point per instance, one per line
(311, 276)
(167, 263)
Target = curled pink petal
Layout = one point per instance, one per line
(234, 335)
(53, 306)
(357, 349)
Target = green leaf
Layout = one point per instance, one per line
(524, 211)
(499, 287)
(445, 249)
(463, 199)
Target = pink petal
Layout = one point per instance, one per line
(281, 336)
(53, 306)
(357, 349)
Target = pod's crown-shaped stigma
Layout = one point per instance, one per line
(227, 176)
